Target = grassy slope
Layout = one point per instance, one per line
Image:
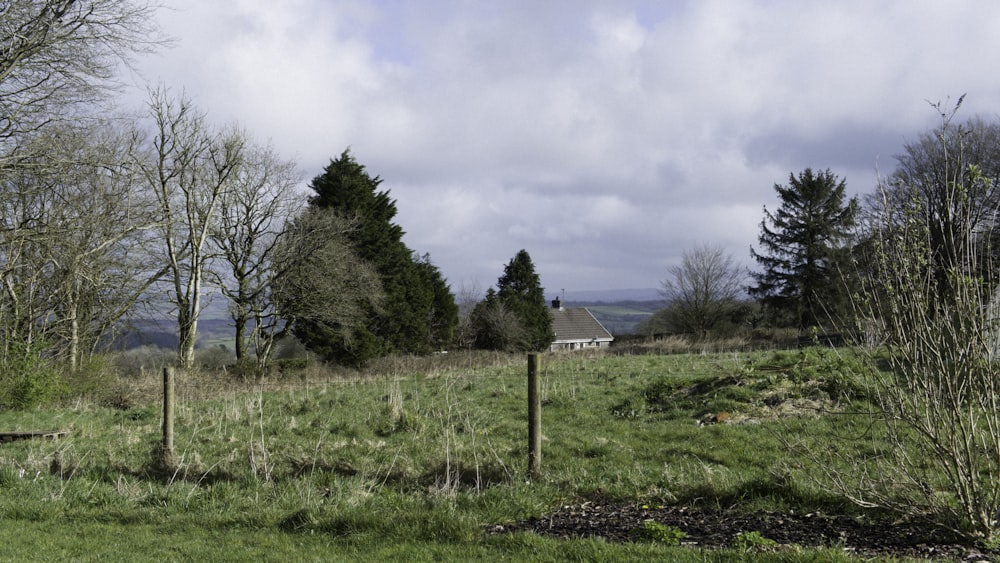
(407, 465)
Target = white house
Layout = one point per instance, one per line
(576, 328)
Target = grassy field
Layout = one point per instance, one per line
(415, 459)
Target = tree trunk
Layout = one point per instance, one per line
(187, 334)
(187, 331)
(240, 319)
(74, 344)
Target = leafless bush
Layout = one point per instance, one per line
(215, 357)
(934, 449)
(137, 362)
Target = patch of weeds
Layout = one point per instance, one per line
(992, 542)
(299, 521)
(349, 429)
(686, 397)
(139, 414)
(653, 531)
(556, 402)
(629, 409)
(9, 475)
(835, 372)
(306, 466)
(306, 405)
(400, 420)
(712, 394)
(456, 475)
(748, 542)
(661, 393)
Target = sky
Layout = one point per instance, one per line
(606, 138)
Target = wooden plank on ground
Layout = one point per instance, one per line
(32, 434)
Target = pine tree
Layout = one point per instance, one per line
(419, 313)
(515, 317)
(804, 251)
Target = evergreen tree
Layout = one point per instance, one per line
(442, 318)
(418, 313)
(515, 317)
(805, 250)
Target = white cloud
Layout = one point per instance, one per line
(603, 138)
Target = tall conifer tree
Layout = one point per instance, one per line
(419, 313)
(804, 251)
(515, 316)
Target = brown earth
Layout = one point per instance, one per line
(718, 529)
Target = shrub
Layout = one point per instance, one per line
(94, 379)
(653, 531)
(28, 376)
(753, 541)
(930, 296)
(215, 357)
(144, 359)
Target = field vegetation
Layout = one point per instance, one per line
(425, 458)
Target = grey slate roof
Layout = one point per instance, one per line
(577, 324)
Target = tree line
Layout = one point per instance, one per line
(105, 216)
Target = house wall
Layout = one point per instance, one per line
(579, 345)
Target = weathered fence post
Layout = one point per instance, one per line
(168, 415)
(534, 418)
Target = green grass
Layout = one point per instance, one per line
(413, 461)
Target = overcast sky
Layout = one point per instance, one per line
(604, 137)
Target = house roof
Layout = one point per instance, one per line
(577, 324)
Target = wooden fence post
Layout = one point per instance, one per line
(534, 418)
(168, 415)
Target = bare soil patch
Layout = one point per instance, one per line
(705, 528)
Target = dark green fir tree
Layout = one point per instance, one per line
(514, 317)
(419, 313)
(805, 252)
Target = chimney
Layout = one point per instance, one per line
(557, 304)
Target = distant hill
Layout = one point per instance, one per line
(607, 295)
(619, 310)
(619, 317)
(163, 333)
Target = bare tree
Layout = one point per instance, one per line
(94, 234)
(72, 225)
(923, 173)
(251, 221)
(61, 56)
(469, 294)
(934, 426)
(322, 279)
(702, 291)
(189, 170)
(497, 326)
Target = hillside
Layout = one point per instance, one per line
(608, 295)
(619, 317)
(619, 310)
